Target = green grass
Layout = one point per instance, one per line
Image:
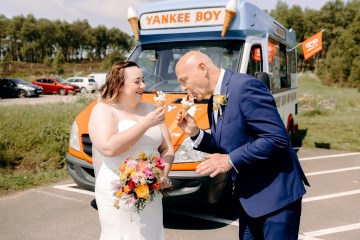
(33, 143)
(328, 114)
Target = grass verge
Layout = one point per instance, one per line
(328, 116)
(33, 143)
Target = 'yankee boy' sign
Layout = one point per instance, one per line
(183, 18)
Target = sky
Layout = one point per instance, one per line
(111, 13)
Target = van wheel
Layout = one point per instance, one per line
(83, 90)
(62, 92)
(21, 94)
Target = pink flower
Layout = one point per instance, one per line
(141, 165)
(159, 163)
(148, 172)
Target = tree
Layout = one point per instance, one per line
(59, 62)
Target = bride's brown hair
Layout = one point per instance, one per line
(110, 91)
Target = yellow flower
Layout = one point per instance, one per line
(142, 155)
(219, 101)
(123, 177)
(142, 191)
(119, 193)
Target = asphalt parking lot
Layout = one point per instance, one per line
(331, 209)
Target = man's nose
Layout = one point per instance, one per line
(184, 89)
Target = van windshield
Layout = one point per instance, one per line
(158, 61)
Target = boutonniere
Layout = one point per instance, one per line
(219, 101)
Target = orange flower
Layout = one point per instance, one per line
(127, 189)
(156, 186)
(142, 191)
(123, 167)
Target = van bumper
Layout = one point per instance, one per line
(81, 172)
(191, 189)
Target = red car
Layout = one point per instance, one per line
(56, 85)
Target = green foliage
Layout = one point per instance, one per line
(33, 40)
(337, 62)
(328, 114)
(33, 147)
(59, 62)
(114, 57)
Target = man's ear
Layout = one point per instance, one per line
(203, 69)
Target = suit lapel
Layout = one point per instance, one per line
(210, 114)
(224, 91)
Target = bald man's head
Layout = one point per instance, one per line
(193, 59)
(197, 74)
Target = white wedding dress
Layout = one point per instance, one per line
(126, 223)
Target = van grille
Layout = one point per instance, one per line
(87, 144)
(204, 101)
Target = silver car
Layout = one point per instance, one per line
(84, 83)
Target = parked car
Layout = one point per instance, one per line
(15, 87)
(56, 85)
(100, 78)
(84, 83)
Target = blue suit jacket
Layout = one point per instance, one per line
(253, 134)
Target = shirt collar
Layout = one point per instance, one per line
(217, 89)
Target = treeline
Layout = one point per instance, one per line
(339, 61)
(32, 40)
(41, 41)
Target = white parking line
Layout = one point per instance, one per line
(72, 188)
(332, 171)
(327, 231)
(330, 156)
(328, 196)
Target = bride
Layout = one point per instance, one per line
(120, 126)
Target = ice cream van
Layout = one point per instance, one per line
(236, 35)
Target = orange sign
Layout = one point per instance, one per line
(271, 53)
(312, 45)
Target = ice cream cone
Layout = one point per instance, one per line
(160, 98)
(229, 15)
(187, 102)
(135, 27)
(184, 112)
(159, 104)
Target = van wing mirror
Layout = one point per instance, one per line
(264, 77)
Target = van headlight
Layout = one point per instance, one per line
(74, 141)
(185, 153)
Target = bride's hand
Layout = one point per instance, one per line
(165, 183)
(155, 117)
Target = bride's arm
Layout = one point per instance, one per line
(104, 133)
(166, 149)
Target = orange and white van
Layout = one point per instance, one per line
(253, 43)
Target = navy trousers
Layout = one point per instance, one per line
(282, 224)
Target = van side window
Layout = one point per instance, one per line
(255, 60)
(278, 71)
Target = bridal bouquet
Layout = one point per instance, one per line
(139, 179)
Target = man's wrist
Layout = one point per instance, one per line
(195, 136)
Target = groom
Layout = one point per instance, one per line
(248, 138)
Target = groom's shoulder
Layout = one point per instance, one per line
(240, 78)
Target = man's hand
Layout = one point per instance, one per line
(214, 164)
(188, 124)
